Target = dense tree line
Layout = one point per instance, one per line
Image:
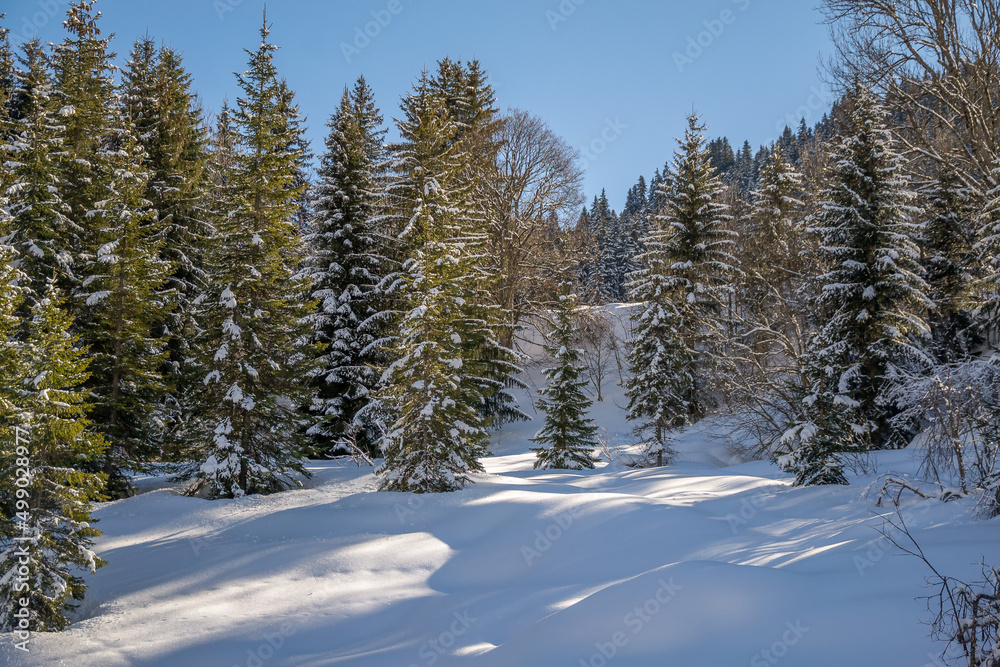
(865, 266)
(862, 268)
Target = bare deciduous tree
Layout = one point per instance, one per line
(601, 348)
(938, 61)
(533, 186)
(957, 407)
(966, 615)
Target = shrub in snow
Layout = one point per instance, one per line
(599, 347)
(958, 409)
(966, 615)
(814, 448)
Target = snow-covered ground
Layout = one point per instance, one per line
(700, 564)
(687, 565)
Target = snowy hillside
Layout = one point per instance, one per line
(693, 564)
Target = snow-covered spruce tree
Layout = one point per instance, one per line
(471, 104)
(221, 168)
(772, 314)
(124, 288)
(167, 122)
(813, 446)
(743, 174)
(569, 437)
(438, 432)
(694, 258)
(603, 229)
(217, 203)
(347, 264)
(12, 370)
(656, 202)
(12, 295)
(634, 228)
(39, 216)
(6, 63)
(584, 249)
(255, 351)
(948, 234)
(771, 249)
(50, 524)
(11, 298)
(7, 84)
(85, 97)
(626, 243)
(298, 145)
(661, 387)
(617, 254)
(872, 300)
(988, 248)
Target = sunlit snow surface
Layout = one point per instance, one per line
(698, 564)
(341, 574)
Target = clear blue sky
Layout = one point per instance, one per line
(629, 70)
